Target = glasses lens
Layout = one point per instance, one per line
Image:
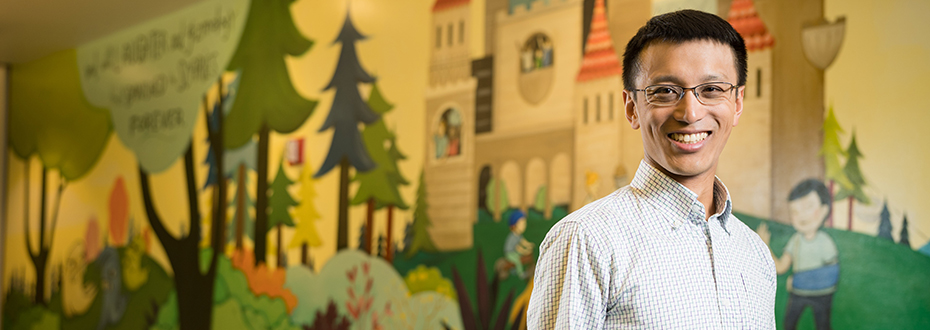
(713, 93)
(663, 94)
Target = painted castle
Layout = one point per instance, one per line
(538, 123)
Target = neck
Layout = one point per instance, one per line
(701, 184)
(810, 235)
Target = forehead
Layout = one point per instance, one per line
(687, 63)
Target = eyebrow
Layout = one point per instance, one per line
(675, 80)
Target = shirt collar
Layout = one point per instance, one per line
(676, 201)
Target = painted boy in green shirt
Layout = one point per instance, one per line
(810, 253)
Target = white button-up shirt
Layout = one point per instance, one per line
(645, 258)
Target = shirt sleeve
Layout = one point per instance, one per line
(572, 283)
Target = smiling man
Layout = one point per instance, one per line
(665, 252)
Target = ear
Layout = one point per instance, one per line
(740, 95)
(629, 106)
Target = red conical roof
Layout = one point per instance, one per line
(599, 60)
(445, 4)
(744, 18)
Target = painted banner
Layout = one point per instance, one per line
(153, 76)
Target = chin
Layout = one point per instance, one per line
(687, 166)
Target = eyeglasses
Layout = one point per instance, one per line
(711, 93)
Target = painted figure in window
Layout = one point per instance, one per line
(441, 138)
(526, 60)
(448, 137)
(516, 248)
(810, 253)
(536, 53)
(547, 52)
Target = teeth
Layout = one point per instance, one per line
(689, 138)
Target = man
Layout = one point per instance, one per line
(812, 254)
(665, 252)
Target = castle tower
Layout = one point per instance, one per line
(450, 108)
(526, 152)
(746, 163)
(599, 119)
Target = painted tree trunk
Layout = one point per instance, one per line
(261, 198)
(194, 289)
(280, 251)
(369, 226)
(303, 253)
(40, 258)
(342, 238)
(851, 200)
(240, 207)
(389, 254)
(829, 223)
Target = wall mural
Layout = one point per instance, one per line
(178, 174)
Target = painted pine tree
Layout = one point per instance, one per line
(884, 227)
(281, 203)
(306, 214)
(421, 240)
(904, 238)
(348, 110)
(378, 187)
(266, 100)
(397, 179)
(856, 180)
(374, 186)
(831, 151)
(210, 160)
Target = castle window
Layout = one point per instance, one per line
(438, 37)
(597, 116)
(447, 137)
(585, 111)
(536, 53)
(461, 32)
(450, 34)
(758, 82)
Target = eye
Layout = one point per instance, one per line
(712, 89)
(663, 90)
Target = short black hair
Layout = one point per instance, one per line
(812, 185)
(679, 27)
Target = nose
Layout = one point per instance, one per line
(689, 109)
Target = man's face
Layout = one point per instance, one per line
(807, 213)
(684, 140)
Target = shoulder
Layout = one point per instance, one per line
(750, 237)
(825, 240)
(604, 217)
(604, 224)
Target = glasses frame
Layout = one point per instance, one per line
(682, 90)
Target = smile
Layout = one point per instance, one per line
(688, 138)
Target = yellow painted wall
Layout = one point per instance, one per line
(877, 86)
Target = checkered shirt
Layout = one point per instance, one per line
(645, 258)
